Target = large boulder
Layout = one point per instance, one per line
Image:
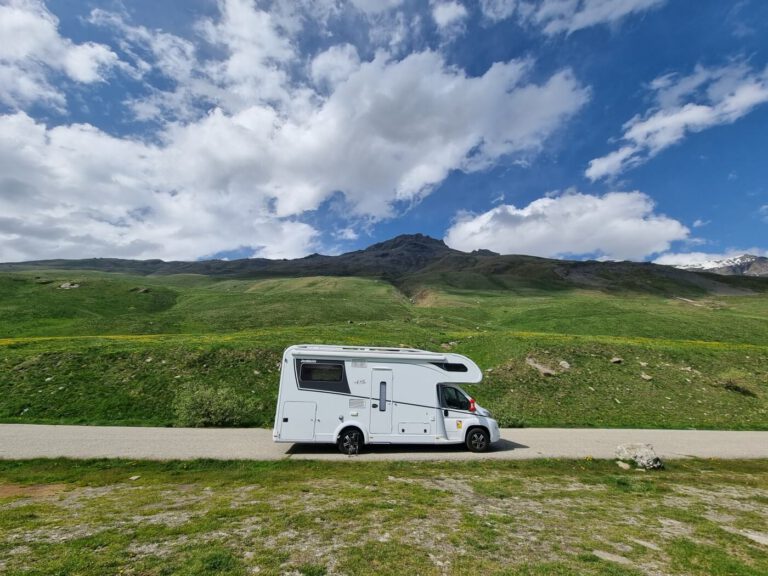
(642, 455)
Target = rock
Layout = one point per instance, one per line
(616, 360)
(69, 286)
(623, 465)
(543, 370)
(645, 376)
(642, 455)
(564, 365)
(445, 346)
(134, 477)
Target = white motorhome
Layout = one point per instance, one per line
(351, 396)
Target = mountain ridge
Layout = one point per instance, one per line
(412, 261)
(743, 265)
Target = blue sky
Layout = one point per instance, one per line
(615, 129)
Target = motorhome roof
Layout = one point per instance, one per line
(335, 351)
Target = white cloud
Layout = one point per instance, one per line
(566, 16)
(706, 98)
(616, 226)
(448, 15)
(32, 48)
(557, 16)
(699, 223)
(334, 65)
(252, 135)
(347, 234)
(764, 212)
(74, 191)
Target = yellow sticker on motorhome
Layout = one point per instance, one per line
(458, 424)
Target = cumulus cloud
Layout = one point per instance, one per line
(251, 135)
(32, 47)
(708, 97)
(449, 16)
(566, 16)
(334, 65)
(74, 191)
(615, 226)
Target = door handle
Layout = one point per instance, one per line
(374, 405)
(445, 412)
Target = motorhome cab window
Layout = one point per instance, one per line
(325, 375)
(453, 398)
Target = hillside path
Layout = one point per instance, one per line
(24, 441)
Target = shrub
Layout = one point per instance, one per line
(201, 406)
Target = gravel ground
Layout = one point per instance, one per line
(22, 441)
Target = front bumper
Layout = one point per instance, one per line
(493, 429)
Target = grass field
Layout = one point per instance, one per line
(118, 349)
(522, 518)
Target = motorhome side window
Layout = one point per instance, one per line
(452, 398)
(324, 375)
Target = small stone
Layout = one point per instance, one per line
(543, 370)
(645, 376)
(148, 360)
(564, 365)
(642, 455)
(616, 360)
(623, 465)
(132, 478)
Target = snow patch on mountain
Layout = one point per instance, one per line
(729, 264)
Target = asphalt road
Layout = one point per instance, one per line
(23, 441)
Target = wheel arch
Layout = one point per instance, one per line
(350, 424)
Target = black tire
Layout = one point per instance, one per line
(477, 440)
(350, 441)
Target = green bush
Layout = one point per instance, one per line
(201, 406)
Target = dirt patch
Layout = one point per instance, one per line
(31, 490)
(759, 537)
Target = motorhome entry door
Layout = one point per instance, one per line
(381, 401)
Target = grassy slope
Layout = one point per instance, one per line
(108, 353)
(698, 518)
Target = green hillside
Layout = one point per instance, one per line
(120, 348)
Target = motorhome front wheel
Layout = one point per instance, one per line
(478, 440)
